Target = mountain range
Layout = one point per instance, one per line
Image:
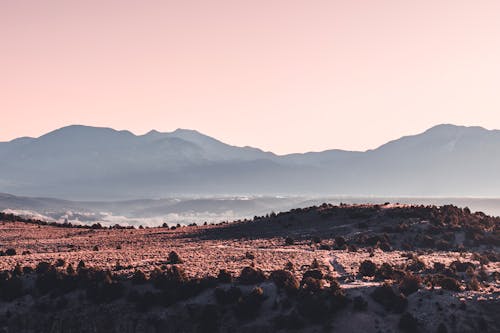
(92, 163)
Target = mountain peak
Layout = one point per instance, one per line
(185, 131)
(153, 134)
(454, 128)
(82, 130)
(192, 135)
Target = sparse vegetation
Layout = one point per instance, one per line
(285, 280)
(389, 298)
(225, 276)
(302, 288)
(251, 275)
(367, 268)
(174, 259)
(410, 284)
(446, 282)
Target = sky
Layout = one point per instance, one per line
(282, 75)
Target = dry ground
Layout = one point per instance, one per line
(314, 233)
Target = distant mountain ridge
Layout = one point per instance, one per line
(83, 162)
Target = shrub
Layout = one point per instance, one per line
(173, 258)
(285, 280)
(139, 277)
(483, 259)
(315, 264)
(474, 284)
(492, 256)
(367, 268)
(314, 273)
(289, 241)
(385, 246)
(249, 255)
(447, 283)
(470, 271)
(28, 270)
(482, 275)
(224, 276)
(389, 299)
(340, 241)
(171, 279)
(439, 267)
(250, 275)
(60, 262)
(374, 240)
(42, 267)
(416, 265)
(410, 284)
(175, 274)
(334, 285)
(70, 270)
(461, 266)
(311, 284)
(81, 264)
(325, 247)
(317, 304)
(384, 272)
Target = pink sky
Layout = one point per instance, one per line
(285, 76)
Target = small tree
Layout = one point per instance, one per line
(174, 259)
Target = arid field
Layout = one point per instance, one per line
(370, 268)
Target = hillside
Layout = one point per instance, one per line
(325, 268)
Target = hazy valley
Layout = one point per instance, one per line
(186, 210)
